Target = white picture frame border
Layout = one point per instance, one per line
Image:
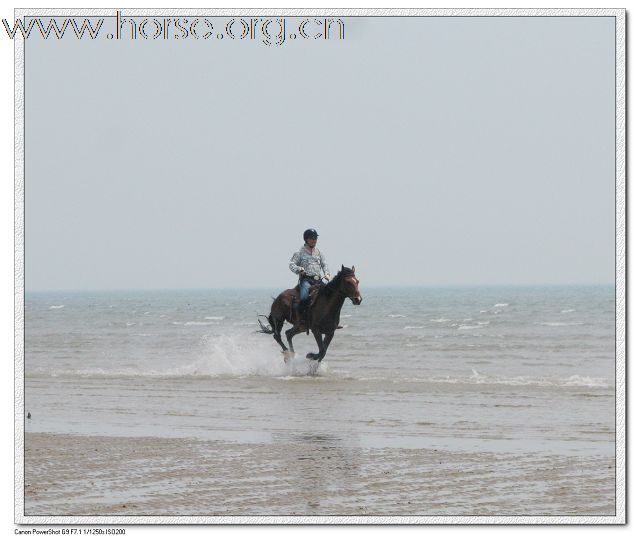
(620, 264)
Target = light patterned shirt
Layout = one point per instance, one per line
(312, 263)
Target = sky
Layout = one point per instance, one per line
(425, 151)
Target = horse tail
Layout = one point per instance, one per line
(268, 329)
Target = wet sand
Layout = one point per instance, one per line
(85, 475)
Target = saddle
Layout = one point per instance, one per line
(313, 293)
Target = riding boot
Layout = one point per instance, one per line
(307, 316)
(303, 311)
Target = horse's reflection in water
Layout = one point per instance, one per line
(324, 468)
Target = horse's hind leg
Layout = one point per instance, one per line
(277, 325)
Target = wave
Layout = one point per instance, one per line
(476, 378)
(591, 382)
(500, 305)
(230, 363)
(525, 380)
(560, 323)
(396, 315)
(470, 327)
(56, 307)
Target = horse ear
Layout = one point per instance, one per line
(342, 268)
(353, 269)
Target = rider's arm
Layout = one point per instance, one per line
(294, 265)
(324, 265)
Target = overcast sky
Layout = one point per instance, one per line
(425, 151)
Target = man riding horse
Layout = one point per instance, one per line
(310, 265)
(323, 317)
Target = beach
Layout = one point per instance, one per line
(122, 476)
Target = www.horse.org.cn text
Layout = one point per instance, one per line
(268, 31)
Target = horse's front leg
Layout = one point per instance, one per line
(321, 351)
(327, 339)
(325, 344)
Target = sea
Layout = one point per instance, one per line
(464, 369)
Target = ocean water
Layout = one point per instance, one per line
(495, 369)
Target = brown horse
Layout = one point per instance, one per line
(324, 313)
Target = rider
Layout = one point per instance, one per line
(310, 265)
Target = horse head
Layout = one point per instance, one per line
(349, 285)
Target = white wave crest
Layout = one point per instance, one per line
(193, 323)
(470, 327)
(574, 380)
(56, 307)
(579, 380)
(477, 378)
(561, 323)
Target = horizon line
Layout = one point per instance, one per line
(272, 287)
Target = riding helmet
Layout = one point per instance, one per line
(309, 233)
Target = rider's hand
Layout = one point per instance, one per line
(301, 272)
(327, 276)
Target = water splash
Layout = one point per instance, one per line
(239, 355)
(229, 355)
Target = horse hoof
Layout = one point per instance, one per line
(311, 356)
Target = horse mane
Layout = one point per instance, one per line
(331, 287)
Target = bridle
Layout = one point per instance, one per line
(353, 281)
